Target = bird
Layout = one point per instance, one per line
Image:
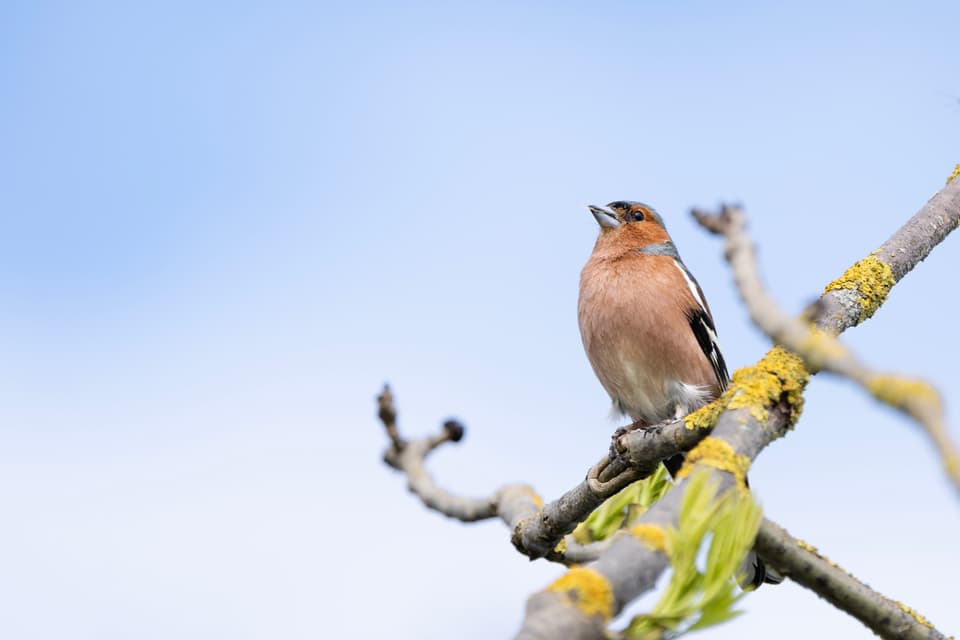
(645, 324)
(647, 328)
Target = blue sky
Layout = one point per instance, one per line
(225, 226)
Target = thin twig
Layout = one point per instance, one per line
(537, 529)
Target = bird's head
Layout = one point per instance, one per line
(629, 223)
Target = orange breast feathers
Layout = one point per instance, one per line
(633, 313)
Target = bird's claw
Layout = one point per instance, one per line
(615, 452)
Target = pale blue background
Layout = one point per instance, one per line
(224, 225)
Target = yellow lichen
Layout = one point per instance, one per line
(956, 172)
(651, 535)
(586, 590)
(871, 278)
(780, 374)
(806, 546)
(952, 463)
(561, 547)
(706, 417)
(713, 452)
(898, 391)
(537, 500)
(916, 616)
(809, 548)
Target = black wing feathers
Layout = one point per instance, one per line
(706, 333)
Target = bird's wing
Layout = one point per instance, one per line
(701, 323)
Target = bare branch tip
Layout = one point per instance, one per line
(454, 430)
(385, 409)
(712, 222)
(387, 413)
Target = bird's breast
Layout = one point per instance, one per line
(637, 338)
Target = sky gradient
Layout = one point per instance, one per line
(225, 226)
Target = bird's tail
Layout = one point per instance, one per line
(754, 572)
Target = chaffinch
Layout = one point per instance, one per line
(647, 328)
(645, 324)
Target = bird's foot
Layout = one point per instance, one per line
(615, 452)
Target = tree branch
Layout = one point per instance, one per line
(822, 351)
(804, 565)
(859, 292)
(511, 502)
(633, 562)
(538, 529)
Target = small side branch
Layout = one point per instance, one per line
(511, 502)
(805, 566)
(640, 451)
(538, 530)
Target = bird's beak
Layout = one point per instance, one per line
(606, 219)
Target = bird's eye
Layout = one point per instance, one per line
(637, 215)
